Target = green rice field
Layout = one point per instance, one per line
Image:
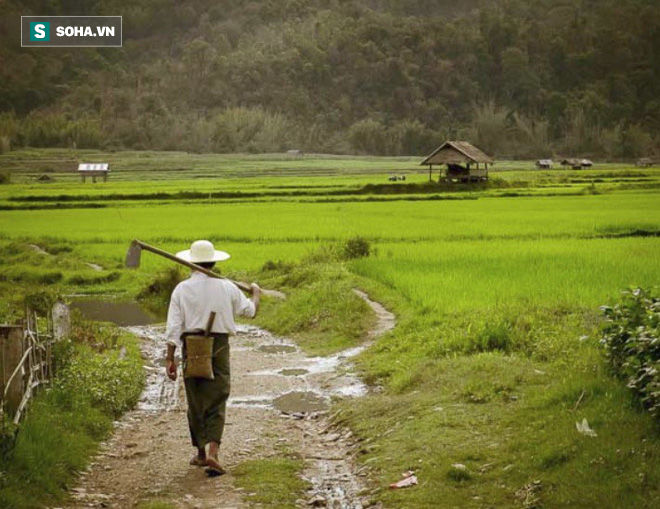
(496, 289)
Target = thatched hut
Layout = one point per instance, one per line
(577, 164)
(544, 164)
(462, 160)
(644, 162)
(572, 162)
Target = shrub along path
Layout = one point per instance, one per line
(268, 439)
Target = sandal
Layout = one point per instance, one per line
(214, 468)
(196, 461)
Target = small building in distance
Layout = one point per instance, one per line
(577, 164)
(463, 162)
(294, 152)
(572, 162)
(644, 162)
(544, 164)
(94, 170)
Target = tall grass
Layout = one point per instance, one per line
(469, 276)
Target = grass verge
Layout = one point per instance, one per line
(501, 397)
(483, 404)
(99, 376)
(321, 312)
(272, 482)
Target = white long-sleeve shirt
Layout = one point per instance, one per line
(193, 300)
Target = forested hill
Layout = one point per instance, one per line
(518, 77)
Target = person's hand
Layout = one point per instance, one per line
(171, 369)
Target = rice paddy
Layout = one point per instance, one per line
(497, 291)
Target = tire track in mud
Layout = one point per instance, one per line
(279, 402)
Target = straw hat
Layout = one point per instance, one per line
(202, 251)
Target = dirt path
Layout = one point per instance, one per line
(279, 401)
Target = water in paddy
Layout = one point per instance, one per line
(123, 313)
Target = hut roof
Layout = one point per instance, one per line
(571, 161)
(456, 152)
(644, 160)
(544, 161)
(93, 167)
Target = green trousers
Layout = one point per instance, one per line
(207, 399)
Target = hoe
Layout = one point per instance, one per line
(135, 253)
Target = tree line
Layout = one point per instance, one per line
(520, 78)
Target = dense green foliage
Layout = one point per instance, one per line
(517, 77)
(631, 336)
(96, 365)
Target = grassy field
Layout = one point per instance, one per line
(495, 356)
(139, 176)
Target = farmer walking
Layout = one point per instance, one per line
(201, 308)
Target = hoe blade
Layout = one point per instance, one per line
(133, 255)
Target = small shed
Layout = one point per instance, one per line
(644, 162)
(574, 163)
(577, 164)
(544, 164)
(462, 160)
(294, 152)
(94, 170)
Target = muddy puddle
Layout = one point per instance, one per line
(122, 313)
(159, 393)
(277, 348)
(254, 402)
(294, 372)
(298, 402)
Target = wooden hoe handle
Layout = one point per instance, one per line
(188, 264)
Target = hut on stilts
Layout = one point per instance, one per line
(465, 162)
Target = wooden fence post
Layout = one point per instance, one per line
(11, 350)
(61, 320)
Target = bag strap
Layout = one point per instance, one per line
(209, 324)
